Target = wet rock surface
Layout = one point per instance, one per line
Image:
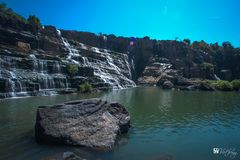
(90, 123)
(33, 63)
(37, 64)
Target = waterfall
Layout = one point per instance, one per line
(128, 66)
(42, 66)
(11, 87)
(11, 84)
(56, 67)
(85, 61)
(36, 74)
(29, 75)
(108, 71)
(110, 62)
(71, 51)
(46, 80)
(132, 64)
(216, 77)
(104, 67)
(35, 62)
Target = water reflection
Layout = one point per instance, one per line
(165, 124)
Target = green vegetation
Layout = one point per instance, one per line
(187, 41)
(85, 87)
(72, 69)
(208, 83)
(200, 45)
(208, 66)
(7, 13)
(223, 85)
(34, 22)
(236, 84)
(10, 18)
(3, 7)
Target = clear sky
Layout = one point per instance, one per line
(209, 20)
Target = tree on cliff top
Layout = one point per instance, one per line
(11, 19)
(7, 14)
(34, 22)
(3, 7)
(187, 41)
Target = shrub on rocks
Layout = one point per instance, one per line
(85, 87)
(223, 85)
(72, 69)
(236, 84)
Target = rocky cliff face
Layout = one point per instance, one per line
(37, 63)
(196, 60)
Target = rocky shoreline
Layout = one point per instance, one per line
(160, 72)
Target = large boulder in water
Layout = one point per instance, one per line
(91, 123)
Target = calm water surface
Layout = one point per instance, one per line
(166, 125)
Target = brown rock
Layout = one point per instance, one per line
(25, 47)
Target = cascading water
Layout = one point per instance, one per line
(36, 74)
(85, 61)
(72, 52)
(216, 77)
(105, 69)
(49, 81)
(128, 66)
(11, 84)
(57, 68)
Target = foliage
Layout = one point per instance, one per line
(72, 69)
(207, 66)
(187, 41)
(208, 83)
(3, 7)
(227, 45)
(223, 85)
(236, 84)
(85, 87)
(201, 45)
(9, 14)
(11, 19)
(34, 21)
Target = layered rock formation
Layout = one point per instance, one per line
(90, 123)
(162, 72)
(36, 64)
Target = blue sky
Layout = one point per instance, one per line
(209, 20)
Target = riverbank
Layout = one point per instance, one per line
(200, 85)
(204, 85)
